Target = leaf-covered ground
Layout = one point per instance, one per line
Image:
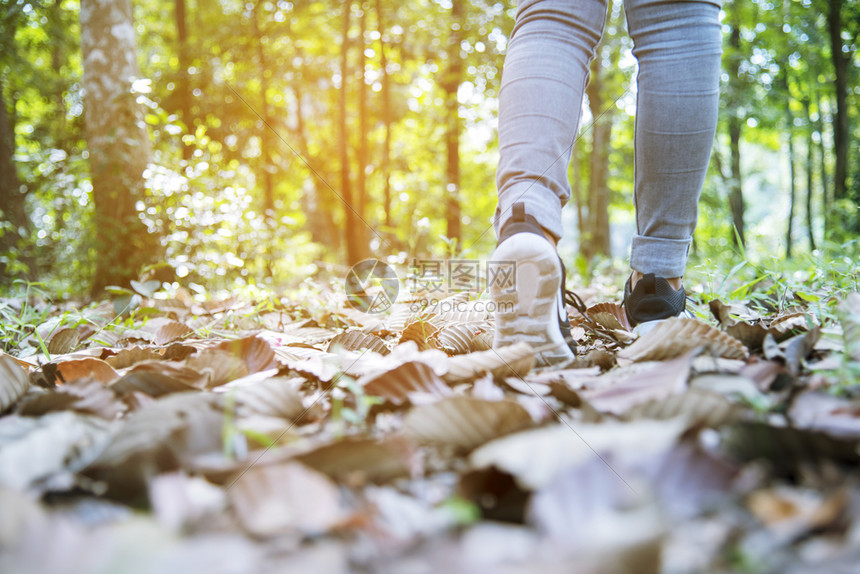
(226, 437)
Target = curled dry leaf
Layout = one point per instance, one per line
(217, 367)
(171, 331)
(72, 369)
(753, 332)
(791, 512)
(255, 352)
(14, 381)
(275, 397)
(34, 449)
(512, 361)
(64, 341)
(609, 315)
(286, 497)
(86, 396)
(157, 378)
(658, 382)
(536, 457)
(464, 423)
(834, 416)
(700, 408)
(680, 335)
(419, 332)
(455, 338)
(359, 460)
(357, 341)
(482, 341)
(133, 355)
(398, 383)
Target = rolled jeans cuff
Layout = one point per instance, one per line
(663, 257)
(540, 203)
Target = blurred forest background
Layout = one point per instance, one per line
(239, 144)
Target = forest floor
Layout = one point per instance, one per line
(302, 435)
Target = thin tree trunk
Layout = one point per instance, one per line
(597, 241)
(577, 190)
(822, 169)
(386, 116)
(792, 193)
(184, 86)
(117, 141)
(355, 250)
(451, 85)
(810, 232)
(265, 112)
(736, 195)
(362, 154)
(12, 207)
(840, 119)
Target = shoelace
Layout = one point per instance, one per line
(574, 300)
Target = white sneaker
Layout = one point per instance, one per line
(528, 292)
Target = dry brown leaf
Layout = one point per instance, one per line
(398, 316)
(72, 369)
(157, 378)
(512, 361)
(128, 357)
(791, 512)
(171, 331)
(273, 499)
(64, 341)
(357, 341)
(464, 423)
(689, 481)
(610, 316)
(455, 338)
(538, 456)
(659, 382)
(398, 383)
(680, 335)
(14, 381)
(823, 412)
(482, 342)
(276, 397)
(86, 396)
(217, 367)
(35, 449)
(419, 332)
(700, 408)
(358, 460)
(255, 352)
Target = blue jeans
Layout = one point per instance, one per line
(678, 48)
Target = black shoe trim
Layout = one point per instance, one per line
(520, 222)
(652, 299)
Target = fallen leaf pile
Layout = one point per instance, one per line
(219, 438)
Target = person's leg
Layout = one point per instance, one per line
(678, 46)
(543, 81)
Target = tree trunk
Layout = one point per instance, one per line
(451, 85)
(597, 239)
(386, 117)
(183, 84)
(822, 169)
(355, 250)
(577, 189)
(792, 192)
(362, 154)
(809, 173)
(117, 141)
(736, 194)
(265, 112)
(14, 223)
(840, 118)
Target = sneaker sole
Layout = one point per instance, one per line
(527, 313)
